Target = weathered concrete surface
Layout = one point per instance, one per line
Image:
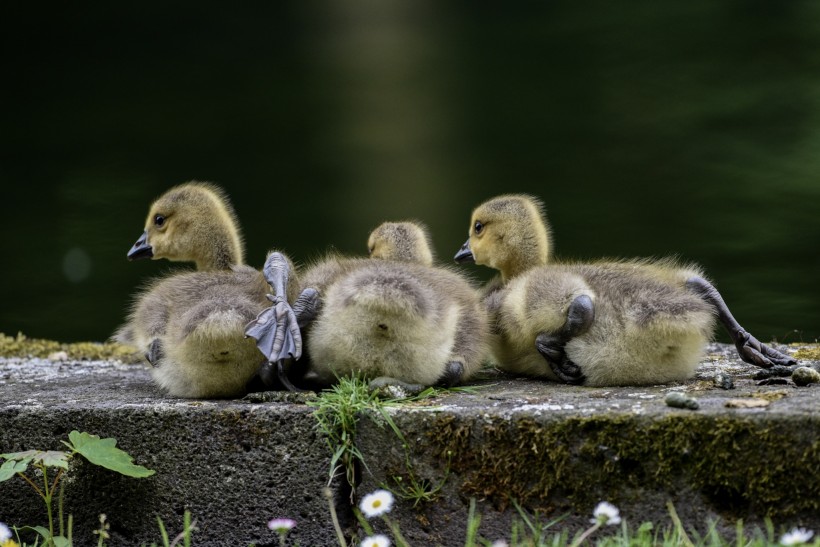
(558, 450)
(233, 464)
(555, 449)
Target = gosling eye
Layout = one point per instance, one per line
(478, 228)
(371, 249)
(159, 220)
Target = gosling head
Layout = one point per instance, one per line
(406, 241)
(192, 222)
(508, 233)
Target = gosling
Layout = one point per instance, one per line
(606, 323)
(191, 326)
(397, 321)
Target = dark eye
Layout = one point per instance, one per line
(478, 227)
(159, 220)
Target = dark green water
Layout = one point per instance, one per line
(649, 129)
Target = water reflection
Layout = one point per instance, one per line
(687, 129)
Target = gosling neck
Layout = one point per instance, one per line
(522, 262)
(220, 254)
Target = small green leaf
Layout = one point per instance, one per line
(61, 541)
(49, 458)
(54, 458)
(21, 456)
(11, 468)
(104, 452)
(39, 529)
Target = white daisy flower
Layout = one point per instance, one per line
(281, 525)
(377, 503)
(606, 513)
(378, 540)
(499, 543)
(797, 536)
(5, 532)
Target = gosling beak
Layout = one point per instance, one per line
(141, 248)
(464, 254)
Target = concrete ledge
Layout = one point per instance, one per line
(559, 450)
(555, 449)
(234, 465)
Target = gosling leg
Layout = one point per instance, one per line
(288, 338)
(272, 377)
(453, 373)
(276, 329)
(552, 347)
(466, 350)
(750, 349)
(307, 307)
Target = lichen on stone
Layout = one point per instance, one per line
(22, 346)
(809, 353)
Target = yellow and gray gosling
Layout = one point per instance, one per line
(397, 320)
(605, 323)
(191, 326)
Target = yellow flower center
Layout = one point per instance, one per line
(377, 504)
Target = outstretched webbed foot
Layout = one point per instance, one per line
(276, 329)
(750, 349)
(580, 314)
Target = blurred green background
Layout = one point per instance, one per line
(648, 128)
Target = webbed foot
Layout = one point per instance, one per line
(154, 353)
(551, 347)
(755, 352)
(276, 329)
(580, 315)
(750, 349)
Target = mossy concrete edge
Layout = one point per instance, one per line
(556, 451)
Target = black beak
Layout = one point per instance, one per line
(141, 249)
(464, 254)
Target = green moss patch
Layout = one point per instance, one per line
(22, 346)
(811, 353)
(741, 465)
